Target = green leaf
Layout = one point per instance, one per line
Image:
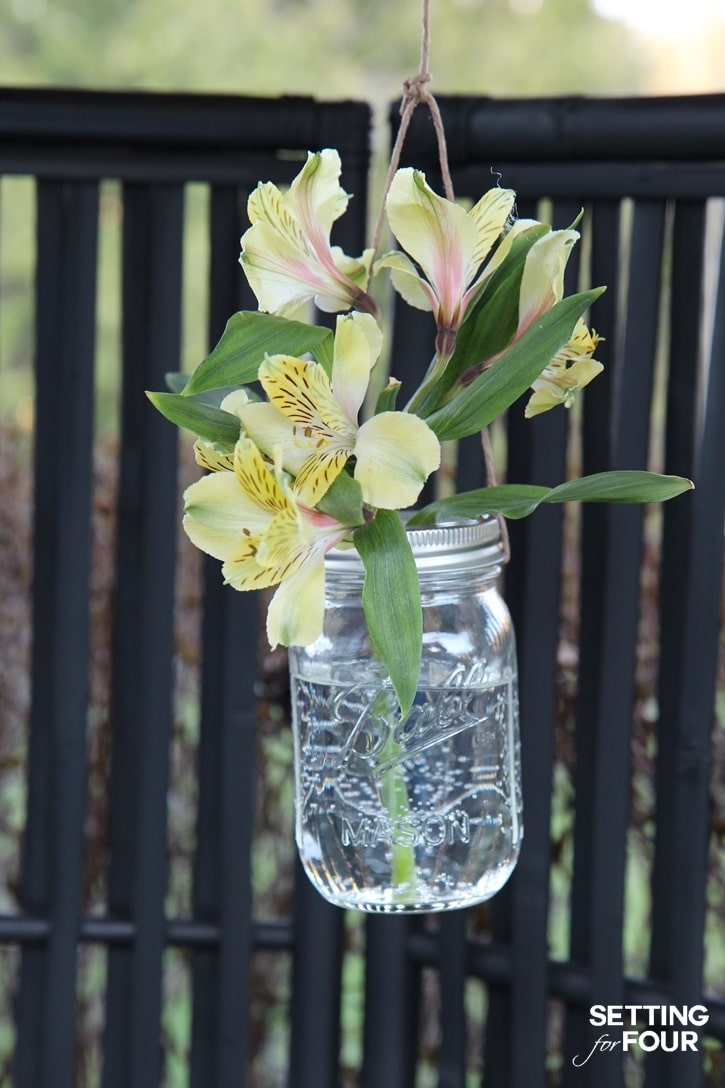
(495, 390)
(343, 501)
(520, 500)
(491, 322)
(250, 336)
(209, 423)
(625, 486)
(388, 397)
(214, 397)
(511, 500)
(391, 601)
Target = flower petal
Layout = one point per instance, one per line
(235, 401)
(406, 281)
(319, 473)
(269, 429)
(295, 613)
(396, 453)
(283, 545)
(212, 457)
(219, 515)
(584, 342)
(356, 269)
(542, 282)
(492, 215)
(286, 251)
(303, 393)
(315, 197)
(280, 270)
(358, 343)
(438, 234)
(242, 571)
(560, 383)
(257, 480)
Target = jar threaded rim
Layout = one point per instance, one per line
(447, 544)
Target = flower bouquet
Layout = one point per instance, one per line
(299, 471)
(402, 653)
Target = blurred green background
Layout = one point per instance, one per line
(365, 48)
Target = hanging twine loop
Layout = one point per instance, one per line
(415, 92)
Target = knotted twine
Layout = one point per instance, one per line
(415, 92)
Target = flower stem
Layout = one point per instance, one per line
(394, 796)
(421, 401)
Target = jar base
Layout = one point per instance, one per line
(421, 899)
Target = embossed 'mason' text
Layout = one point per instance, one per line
(411, 830)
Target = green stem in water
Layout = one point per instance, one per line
(394, 796)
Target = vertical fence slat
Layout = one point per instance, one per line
(605, 226)
(222, 877)
(224, 853)
(452, 973)
(535, 606)
(143, 634)
(54, 845)
(391, 1006)
(316, 987)
(680, 456)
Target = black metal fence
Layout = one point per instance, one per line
(620, 890)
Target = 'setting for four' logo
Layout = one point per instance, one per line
(668, 1028)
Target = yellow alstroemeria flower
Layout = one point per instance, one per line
(542, 286)
(286, 253)
(314, 420)
(447, 243)
(250, 519)
(569, 371)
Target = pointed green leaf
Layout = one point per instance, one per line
(391, 601)
(250, 336)
(495, 390)
(520, 500)
(624, 486)
(511, 500)
(209, 423)
(388, 397)
(214, 397)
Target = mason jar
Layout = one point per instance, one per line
(420, 812)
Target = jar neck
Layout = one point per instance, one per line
(474, 571)
(462, 550)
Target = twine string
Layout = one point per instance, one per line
(491, 480)
(415, 92)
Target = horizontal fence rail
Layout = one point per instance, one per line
(158, 930)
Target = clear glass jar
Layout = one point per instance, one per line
(421, 813)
